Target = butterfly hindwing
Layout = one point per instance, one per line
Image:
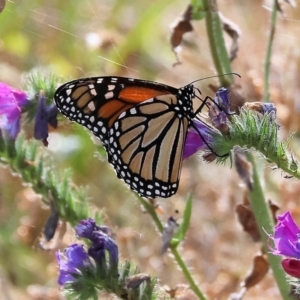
(145, 147)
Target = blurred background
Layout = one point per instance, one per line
(132, 38)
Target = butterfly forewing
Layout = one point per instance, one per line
(142, 125)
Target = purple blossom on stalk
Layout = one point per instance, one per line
(45, 115)
(220, 109)
(201, 134)
(71, 263)
(286, 240)
(263, 108)
(222, 100)
(102, 242)
(76, 259)
(11, 103)
(197, 138)
(286, 237)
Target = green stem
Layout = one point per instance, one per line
(217, 43)
(187, 274)
(284, 161)
(265, 224)
(151, 210)
(269, 51)
(250, 131)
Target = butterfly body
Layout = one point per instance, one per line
(142, 125)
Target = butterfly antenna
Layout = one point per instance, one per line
(232, 73)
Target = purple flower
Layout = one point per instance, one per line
(71, 263)
(85, 228)
(76, 260)
(286, 237)
(101, 241)
(11, 103)
(263, 108)
(222, 100)
(219, 110)
(198, 136)
(286, 240)
(45, 115)
(269, 108)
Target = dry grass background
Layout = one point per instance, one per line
(52, 36)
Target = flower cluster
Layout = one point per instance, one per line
(286, 240)
(14, 102)
(77, 260)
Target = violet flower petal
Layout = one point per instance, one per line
(194, 139)
(11, 103)
(102, 243)
(41, 124)
(85, 228)
(222, 100)
(70, 262)
(286, 237)
(45, 115)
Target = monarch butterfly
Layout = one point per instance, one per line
(142, 125)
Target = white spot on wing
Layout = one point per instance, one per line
(93, 92)
(92, 106)
(109, 95)
(123, 114)
(133, 111)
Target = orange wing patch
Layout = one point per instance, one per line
(139, 94)
(112, 109)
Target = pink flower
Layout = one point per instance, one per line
(11, 103)
(286, 237)
(286, 240)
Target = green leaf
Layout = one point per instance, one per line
(179, 236)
